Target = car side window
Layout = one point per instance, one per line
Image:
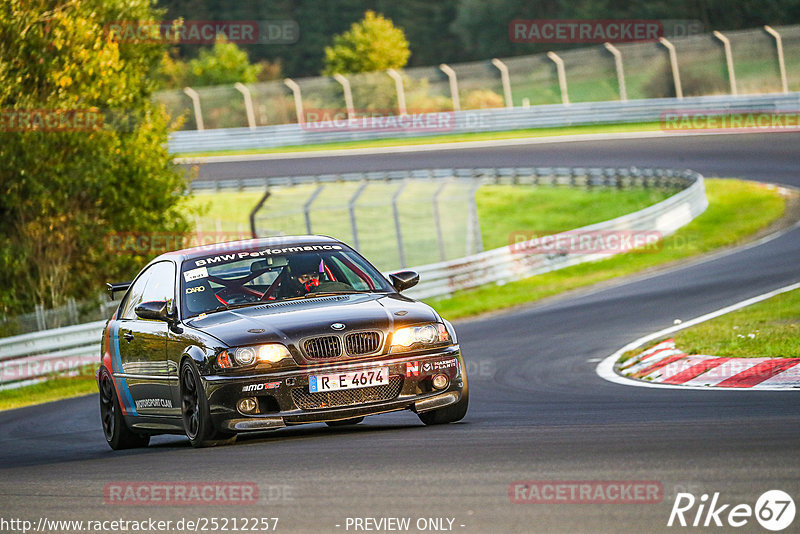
(134, 296)
(161, 283)
(156, 283)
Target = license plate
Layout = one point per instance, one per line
(355, 379)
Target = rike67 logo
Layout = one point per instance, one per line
(774, 510)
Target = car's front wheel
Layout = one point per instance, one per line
(449, 414)
(117, 433)
(195, 412)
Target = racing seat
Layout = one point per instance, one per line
(200, 297)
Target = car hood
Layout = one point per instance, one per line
(290, 321)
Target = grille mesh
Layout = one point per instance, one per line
(347, 397)
(359, 343)
(323, 347)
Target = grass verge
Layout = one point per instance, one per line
(736, 211)
(63, 387)
(434, 139)
(768, 329)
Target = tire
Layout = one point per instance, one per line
(448, 414)
(195, 413)
(117, 433)
(345, 422)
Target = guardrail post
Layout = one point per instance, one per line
(781, 63)
(506, 80)
(623, 92)
(451, 75)
(351, 206)
(298, 99)
(248, 104)
(398, 230)
(307, 207)
(438, 222)
(673, 61)
(726, 43)
(348, 94)
(401, 92)
(562, 76)
(198, 112)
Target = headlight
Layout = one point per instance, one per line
(243, 356)
(428, 335)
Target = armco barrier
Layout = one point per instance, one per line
(31, 356)
(36, 355)
(488, 120)
(504, 264)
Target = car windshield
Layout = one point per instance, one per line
(268, 274)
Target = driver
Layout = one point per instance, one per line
(305, 272)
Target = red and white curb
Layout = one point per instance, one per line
(665, 366)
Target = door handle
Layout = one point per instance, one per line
(128, 336)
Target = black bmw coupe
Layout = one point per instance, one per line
(266, 333)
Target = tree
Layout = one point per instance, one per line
(225, 63)
(101, 168)
(373, 44)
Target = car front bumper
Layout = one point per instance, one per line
(284, 399)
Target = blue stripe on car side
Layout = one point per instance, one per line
(122, 384)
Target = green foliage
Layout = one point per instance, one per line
(225, 63)
(63, 193)
(373, 44)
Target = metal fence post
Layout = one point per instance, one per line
(438, 221)
(298, 99)
(726, 43)
(673, 61)
(307, 207)
(41, 324)
(348, 94)
(256, 209)
(401, 93)
(474, 239)
(351, 206)
(623, 92)
(198, 112)
(781, 63)
(451, 75)
(248, 104)
(562, 76)
(506, 80)
(397, 229)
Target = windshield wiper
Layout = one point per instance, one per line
(234, 306)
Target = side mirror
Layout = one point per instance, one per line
(155, 310)
(402, 280)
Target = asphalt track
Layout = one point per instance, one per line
(538, 411)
